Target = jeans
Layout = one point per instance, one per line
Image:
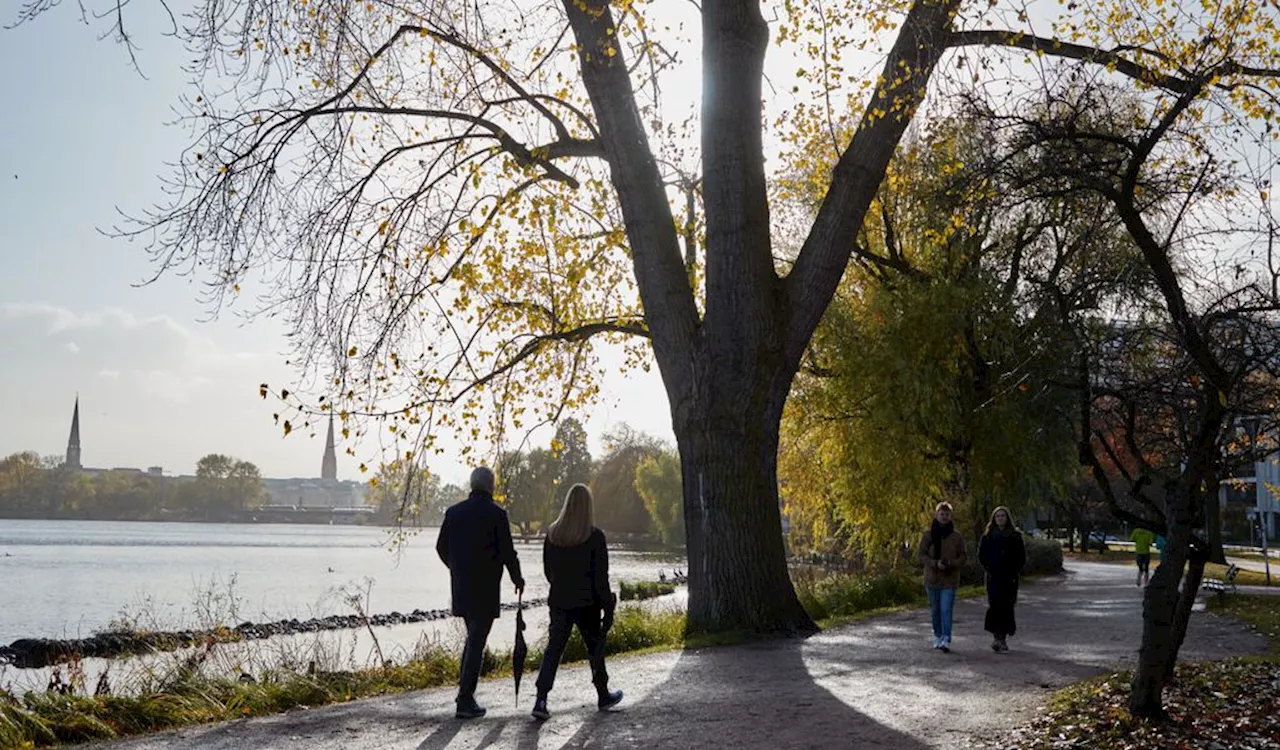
(473, 657)
(562, 621)
(941, 603)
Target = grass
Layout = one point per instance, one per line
(1225, 704)
(185, 696)
(628, 591)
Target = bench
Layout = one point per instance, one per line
(1222, 586)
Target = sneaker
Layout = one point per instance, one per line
(469, 710)
(937, 642)
(946, 646)
(609, 700)
(540, 711)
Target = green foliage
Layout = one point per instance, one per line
(31, 487)
(527, 483)
(933, 379)
(618, 504)
(629, 591)
(634, 628)
(837, 595)
(658, 480)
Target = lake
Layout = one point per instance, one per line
(67, 579)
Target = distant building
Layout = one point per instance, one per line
(73, 443)
(298, 492)
(329, 464)
(326, 492)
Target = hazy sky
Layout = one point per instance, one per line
(82, 133)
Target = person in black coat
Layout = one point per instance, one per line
(1002, 554)
(475, 544)
(576, 561)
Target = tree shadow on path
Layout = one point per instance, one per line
(758, 695)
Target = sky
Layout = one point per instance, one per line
(81, 135)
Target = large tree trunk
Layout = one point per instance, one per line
(728, 371)
(738, 575)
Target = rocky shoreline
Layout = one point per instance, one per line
(36, 653)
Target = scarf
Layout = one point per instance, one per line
(938, 532)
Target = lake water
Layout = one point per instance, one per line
(70, 578)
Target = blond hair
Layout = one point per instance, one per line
(574, 524)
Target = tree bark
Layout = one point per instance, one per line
(1187, 600)
(1213, 529)
(1158, 655)
(738, 575)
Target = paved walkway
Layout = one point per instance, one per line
(874, 684)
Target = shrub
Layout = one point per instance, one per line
(844, 594)
(643, 590)
(1044, 556)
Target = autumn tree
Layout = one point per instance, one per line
(406, 494)
(456, 201)
(1178, 199)
(936, 373)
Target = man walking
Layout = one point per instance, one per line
(475, 544)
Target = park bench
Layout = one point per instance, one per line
(1224, 585)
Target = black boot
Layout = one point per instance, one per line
(540, 711)
(608, 699)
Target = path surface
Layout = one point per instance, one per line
(874, 684)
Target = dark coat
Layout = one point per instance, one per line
(475, 544)
(579, 575)
(1003, 557)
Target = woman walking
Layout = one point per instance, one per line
(576, 561)
(1002, 554)
(942, 553)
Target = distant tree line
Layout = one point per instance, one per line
(636, 485)
(36, 487)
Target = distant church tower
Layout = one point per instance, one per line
(328, 467)
(73, 442)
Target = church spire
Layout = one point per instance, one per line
(73, 442)
(329, 466)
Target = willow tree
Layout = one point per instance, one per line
(456, 199)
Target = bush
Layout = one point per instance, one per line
(634, 628)
(1044, 556)
(844, 594)
(643, 590)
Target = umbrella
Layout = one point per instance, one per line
(521, 650)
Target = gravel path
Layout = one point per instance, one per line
(874, 684)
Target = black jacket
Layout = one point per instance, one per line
(475, 543)
(1002, 555)
(579, 575)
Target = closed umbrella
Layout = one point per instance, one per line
(521, 650)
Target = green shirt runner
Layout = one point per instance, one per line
(1142, 539)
